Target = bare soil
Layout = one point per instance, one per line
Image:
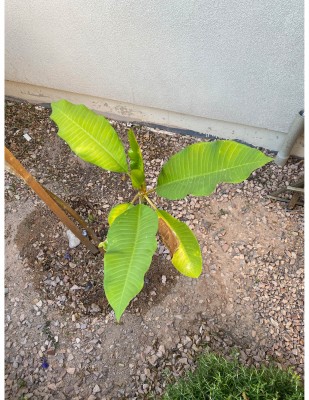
(249, 296)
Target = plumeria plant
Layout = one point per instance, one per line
(133, 226)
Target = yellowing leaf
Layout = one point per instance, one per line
(117, 210)
(182, 244)
(89, 135)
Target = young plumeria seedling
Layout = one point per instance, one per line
(131, 238)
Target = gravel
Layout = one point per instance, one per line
(61, 336)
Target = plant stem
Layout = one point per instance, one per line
(151, 191)
(136, 197)
(150, 202)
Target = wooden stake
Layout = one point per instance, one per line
(16, 167)
(66, 207)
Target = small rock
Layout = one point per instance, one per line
(75, 287)
(73, 240)
(96, 389)
(89, 349)
(163, 279)
(71, 371)
(95, 308)
(88, 286)
(51, 351)
(148, 350)
(225, 247)
(153, 360)
(162, 348)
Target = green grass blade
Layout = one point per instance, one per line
(218, 379)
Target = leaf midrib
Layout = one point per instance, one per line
(174, 181)
(131, 258)
(93, 138)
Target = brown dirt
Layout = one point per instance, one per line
(245, 238)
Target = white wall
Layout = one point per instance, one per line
(228, 60)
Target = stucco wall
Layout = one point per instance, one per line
(230, 60)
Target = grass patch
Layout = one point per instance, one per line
(216, 378)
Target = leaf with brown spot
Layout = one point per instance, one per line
(168, 236)
(181, 242)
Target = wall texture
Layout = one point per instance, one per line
(228, 60)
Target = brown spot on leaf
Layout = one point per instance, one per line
(168, 236)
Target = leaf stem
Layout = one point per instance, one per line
(151, 191)
(136, 197)
(150, 202)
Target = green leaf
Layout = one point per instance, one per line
(182, 244)
(137, 178)
(131, 245)
(134, 152)
(89, 135)
(103, 245)
(118, 210)
(200, 167)
(136, 162)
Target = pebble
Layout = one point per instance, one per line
(73, 240)
(95, 308)
(96, 389)
(51, 351)
(75, 287)
(70, 371)
(52, 386)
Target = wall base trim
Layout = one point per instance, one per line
(121, 111)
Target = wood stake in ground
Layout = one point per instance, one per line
(16, 167)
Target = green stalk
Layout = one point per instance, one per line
(150, 202)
